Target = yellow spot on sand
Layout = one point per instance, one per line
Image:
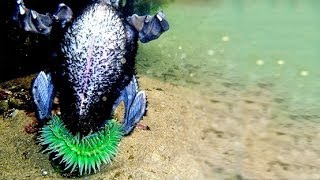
(259, 62)
(304, 73)
(280, 62)
(225, 38)
(210, 52)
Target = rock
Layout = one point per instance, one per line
(44, 172)
(15, 103)
(11, 113)
(4, 106)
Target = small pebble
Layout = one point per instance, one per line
(259, 62)
(123, 60)
(280, 62)
(304, 73)
(55, 100)
(225, 38)
(11, 113)
(210, 52)
(44, 172)
(14, 113)
(183, 55)
(161, 148)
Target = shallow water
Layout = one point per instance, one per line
(232, 93)
(242, 45)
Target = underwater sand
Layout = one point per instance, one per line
(191, 136)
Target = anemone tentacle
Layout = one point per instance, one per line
(84, 153)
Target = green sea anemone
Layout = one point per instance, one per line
(86, 153)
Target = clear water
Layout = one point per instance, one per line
(242, 44)
(230, 49)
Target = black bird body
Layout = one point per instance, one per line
(93, 71)
(94, 68)
(98, 51)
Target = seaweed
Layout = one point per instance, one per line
(143, 7)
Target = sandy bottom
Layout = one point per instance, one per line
(229, 135)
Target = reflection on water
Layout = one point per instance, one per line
(242, 44)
